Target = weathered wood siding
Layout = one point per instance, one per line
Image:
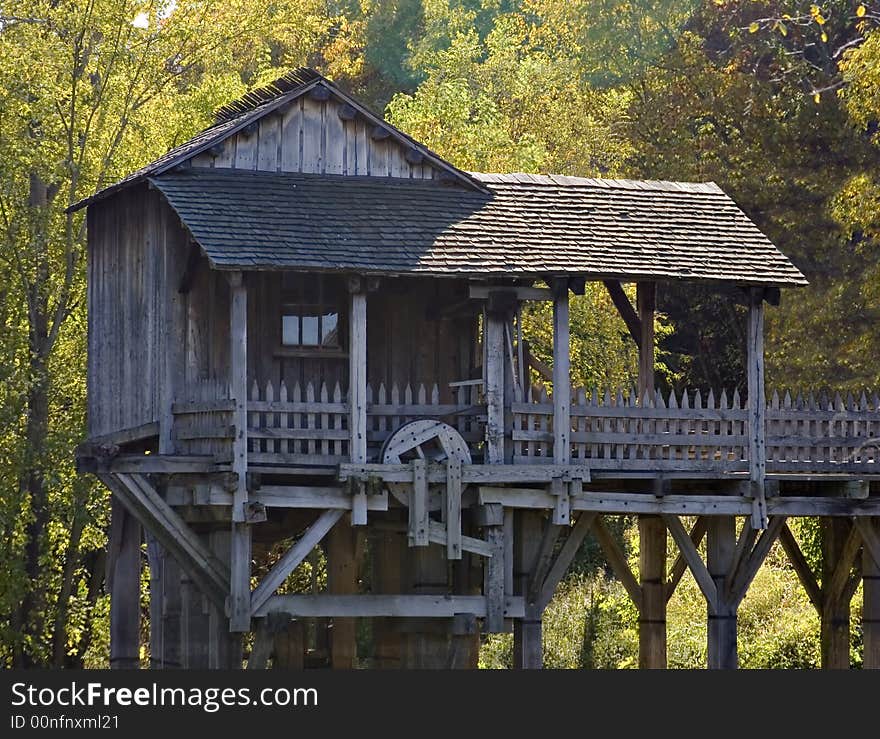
(134, 240)
(405, 343)
(309, 136)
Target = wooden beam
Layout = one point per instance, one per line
(840, 545)
(870, 593)
(388, 606)
(566, 556)
(142, 501)
(843, 565)
(494, 586)
(482, 292)
(652, 583)
(494, 337)
(694, 561)
(470, 473)
(292, 558)
(453, 508)
(617, 559)
(357, 373)
(721, 629)
(625, 309)
(738, 585)
(680, 565)
(543, 561)
(418, 506)
(125, 590)
(240, 552)
(801, 567)
(342, 579)
(527, 631)
(757, 405)
(561, 375)
(646, 301)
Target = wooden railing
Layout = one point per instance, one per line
(693, 432)
(690, 431)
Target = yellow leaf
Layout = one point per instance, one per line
(820, 20)
(783, 30)
(786, 16)
(814, 10)
(861, 10)
(816, 98)
(824, 37)
(753, 28)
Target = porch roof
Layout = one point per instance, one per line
(525, 226)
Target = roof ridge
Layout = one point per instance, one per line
(524, 178)
(253, 99)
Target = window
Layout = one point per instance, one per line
(310, 313)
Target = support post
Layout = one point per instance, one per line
(871, 603)
(224, 646)
(493, 335)
(527, 632)
(342, 580)
(652, 578)
(561, 374)
(757, 407)
(646, 300)
(125, 604)
(835, 617)
(240, 552)
(720, 548)
(389, 552)
(357, 370)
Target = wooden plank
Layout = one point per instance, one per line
(694, 561)
(307, 496)
(292, 559)
(388, 606)
(867, 529)
(269, 142)
(494, 580)
(561, 375)
(358, 376)
(565, 557)
(418, 505)
(625, 309)
(437, 535)
(291, 128)
(617, 559)
(801, 567)
(470, 473)
(453, 508)
(870, 594)
(494, 384)
(342, 579)
(527, 631)
(680, 565)
(560, 490)
(834, 588)
(126, 436)
(757, 427)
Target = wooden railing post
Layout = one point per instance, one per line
(561, 374)
(493, 335)
(757, 401)
(240, 548)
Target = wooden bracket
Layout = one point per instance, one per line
(625, 308)
(694, 561)
(565, 557)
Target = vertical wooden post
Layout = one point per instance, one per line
(194, 626)
(834, 628)
(357, 372)
(561, 374)
(240, 554)
(493, 336)
(652, 577)
(646, 302)
(527, 632)
(342, 574)
(720, 548)
(224, 648)
(389, 551)
(757, 407)
(125, 595)
(871, 605)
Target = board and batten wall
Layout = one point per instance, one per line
(135, 247)
(310, 136)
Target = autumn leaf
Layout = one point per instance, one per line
(824, 37)
(817, 97)
(753, 27)
(860, 11)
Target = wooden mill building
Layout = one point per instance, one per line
(305, 336)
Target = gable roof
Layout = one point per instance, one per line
(521, 226)
(233, 117)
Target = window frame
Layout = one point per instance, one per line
(294, 302)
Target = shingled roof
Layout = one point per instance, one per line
(524, 226)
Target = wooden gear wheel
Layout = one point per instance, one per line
(431, 440)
